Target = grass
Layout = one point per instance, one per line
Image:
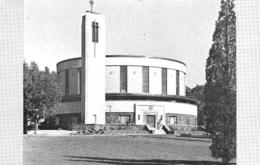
(123, 150)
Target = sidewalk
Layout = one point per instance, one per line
(50, 132)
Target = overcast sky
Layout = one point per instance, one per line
(178, 29)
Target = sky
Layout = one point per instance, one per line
(177, 29)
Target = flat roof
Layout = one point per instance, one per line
(134, 56)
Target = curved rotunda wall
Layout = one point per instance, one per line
(141, 75)
(69, 76)
(129, 74)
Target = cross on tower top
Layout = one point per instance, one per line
(91, 2)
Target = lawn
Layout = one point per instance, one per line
(125, 150)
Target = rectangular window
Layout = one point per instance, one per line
(145, 79)
(172, 120)
(95, 32)
(96, 36)
(123, 79)
(66, 82)
(188, 122)
(177, 82)
(123, 119)
(164, 81)
(79, 81)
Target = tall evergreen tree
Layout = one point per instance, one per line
(197, 93)
(220, 89)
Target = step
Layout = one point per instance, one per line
(159, 132)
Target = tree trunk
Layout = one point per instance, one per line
(35, 127)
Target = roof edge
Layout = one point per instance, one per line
(134, 56)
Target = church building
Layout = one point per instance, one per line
(121, 89)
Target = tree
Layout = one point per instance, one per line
(220, 89)
(41, 94)
(197, 93)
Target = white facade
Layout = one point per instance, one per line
(135, 75)
(134, 79)
(118, 89)
(171, 85)
(113, 79)
(93, 70)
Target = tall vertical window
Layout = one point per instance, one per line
(66, 82)
(164, 81)
(123, 79)
(145, 79)
(79, 81)
(95, 32)
(177, 82)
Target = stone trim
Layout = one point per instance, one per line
(182, 120)
(112, 117)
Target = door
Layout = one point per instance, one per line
(150, 120)
(124, 119)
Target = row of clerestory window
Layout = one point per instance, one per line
(145, 80)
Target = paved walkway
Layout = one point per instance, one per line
(50, 133)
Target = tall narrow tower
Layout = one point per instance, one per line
(93, 68)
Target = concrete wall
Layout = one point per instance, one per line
(74, 79)
(112, 117)
(182, 87)
(134, 79)
(69, 107)
(142, 61)
(61, 81)
(68, 64)
(134, 75)
(93, 69)
(113, 79)
(182, 119)
(182, 110)
(155, 80)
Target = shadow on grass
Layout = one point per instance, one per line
(179, 138)
(140, 162)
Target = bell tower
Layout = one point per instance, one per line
(93, 68)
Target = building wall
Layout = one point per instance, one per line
(74, 81)
(61, 81)
(155, 80)
(134, 79)
(134, 66)
(113, 79)
(69, 76)
(182, 119)
(114, 117)
(183, 111)
(141, 76)
(69, 107)
(182, 84)
(145, 61)
(93, 68)
(171, 85)
(69, 73)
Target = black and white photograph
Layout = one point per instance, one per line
(131, 82)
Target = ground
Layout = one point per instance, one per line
(125, 150)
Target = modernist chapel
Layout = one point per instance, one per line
(121, 89)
